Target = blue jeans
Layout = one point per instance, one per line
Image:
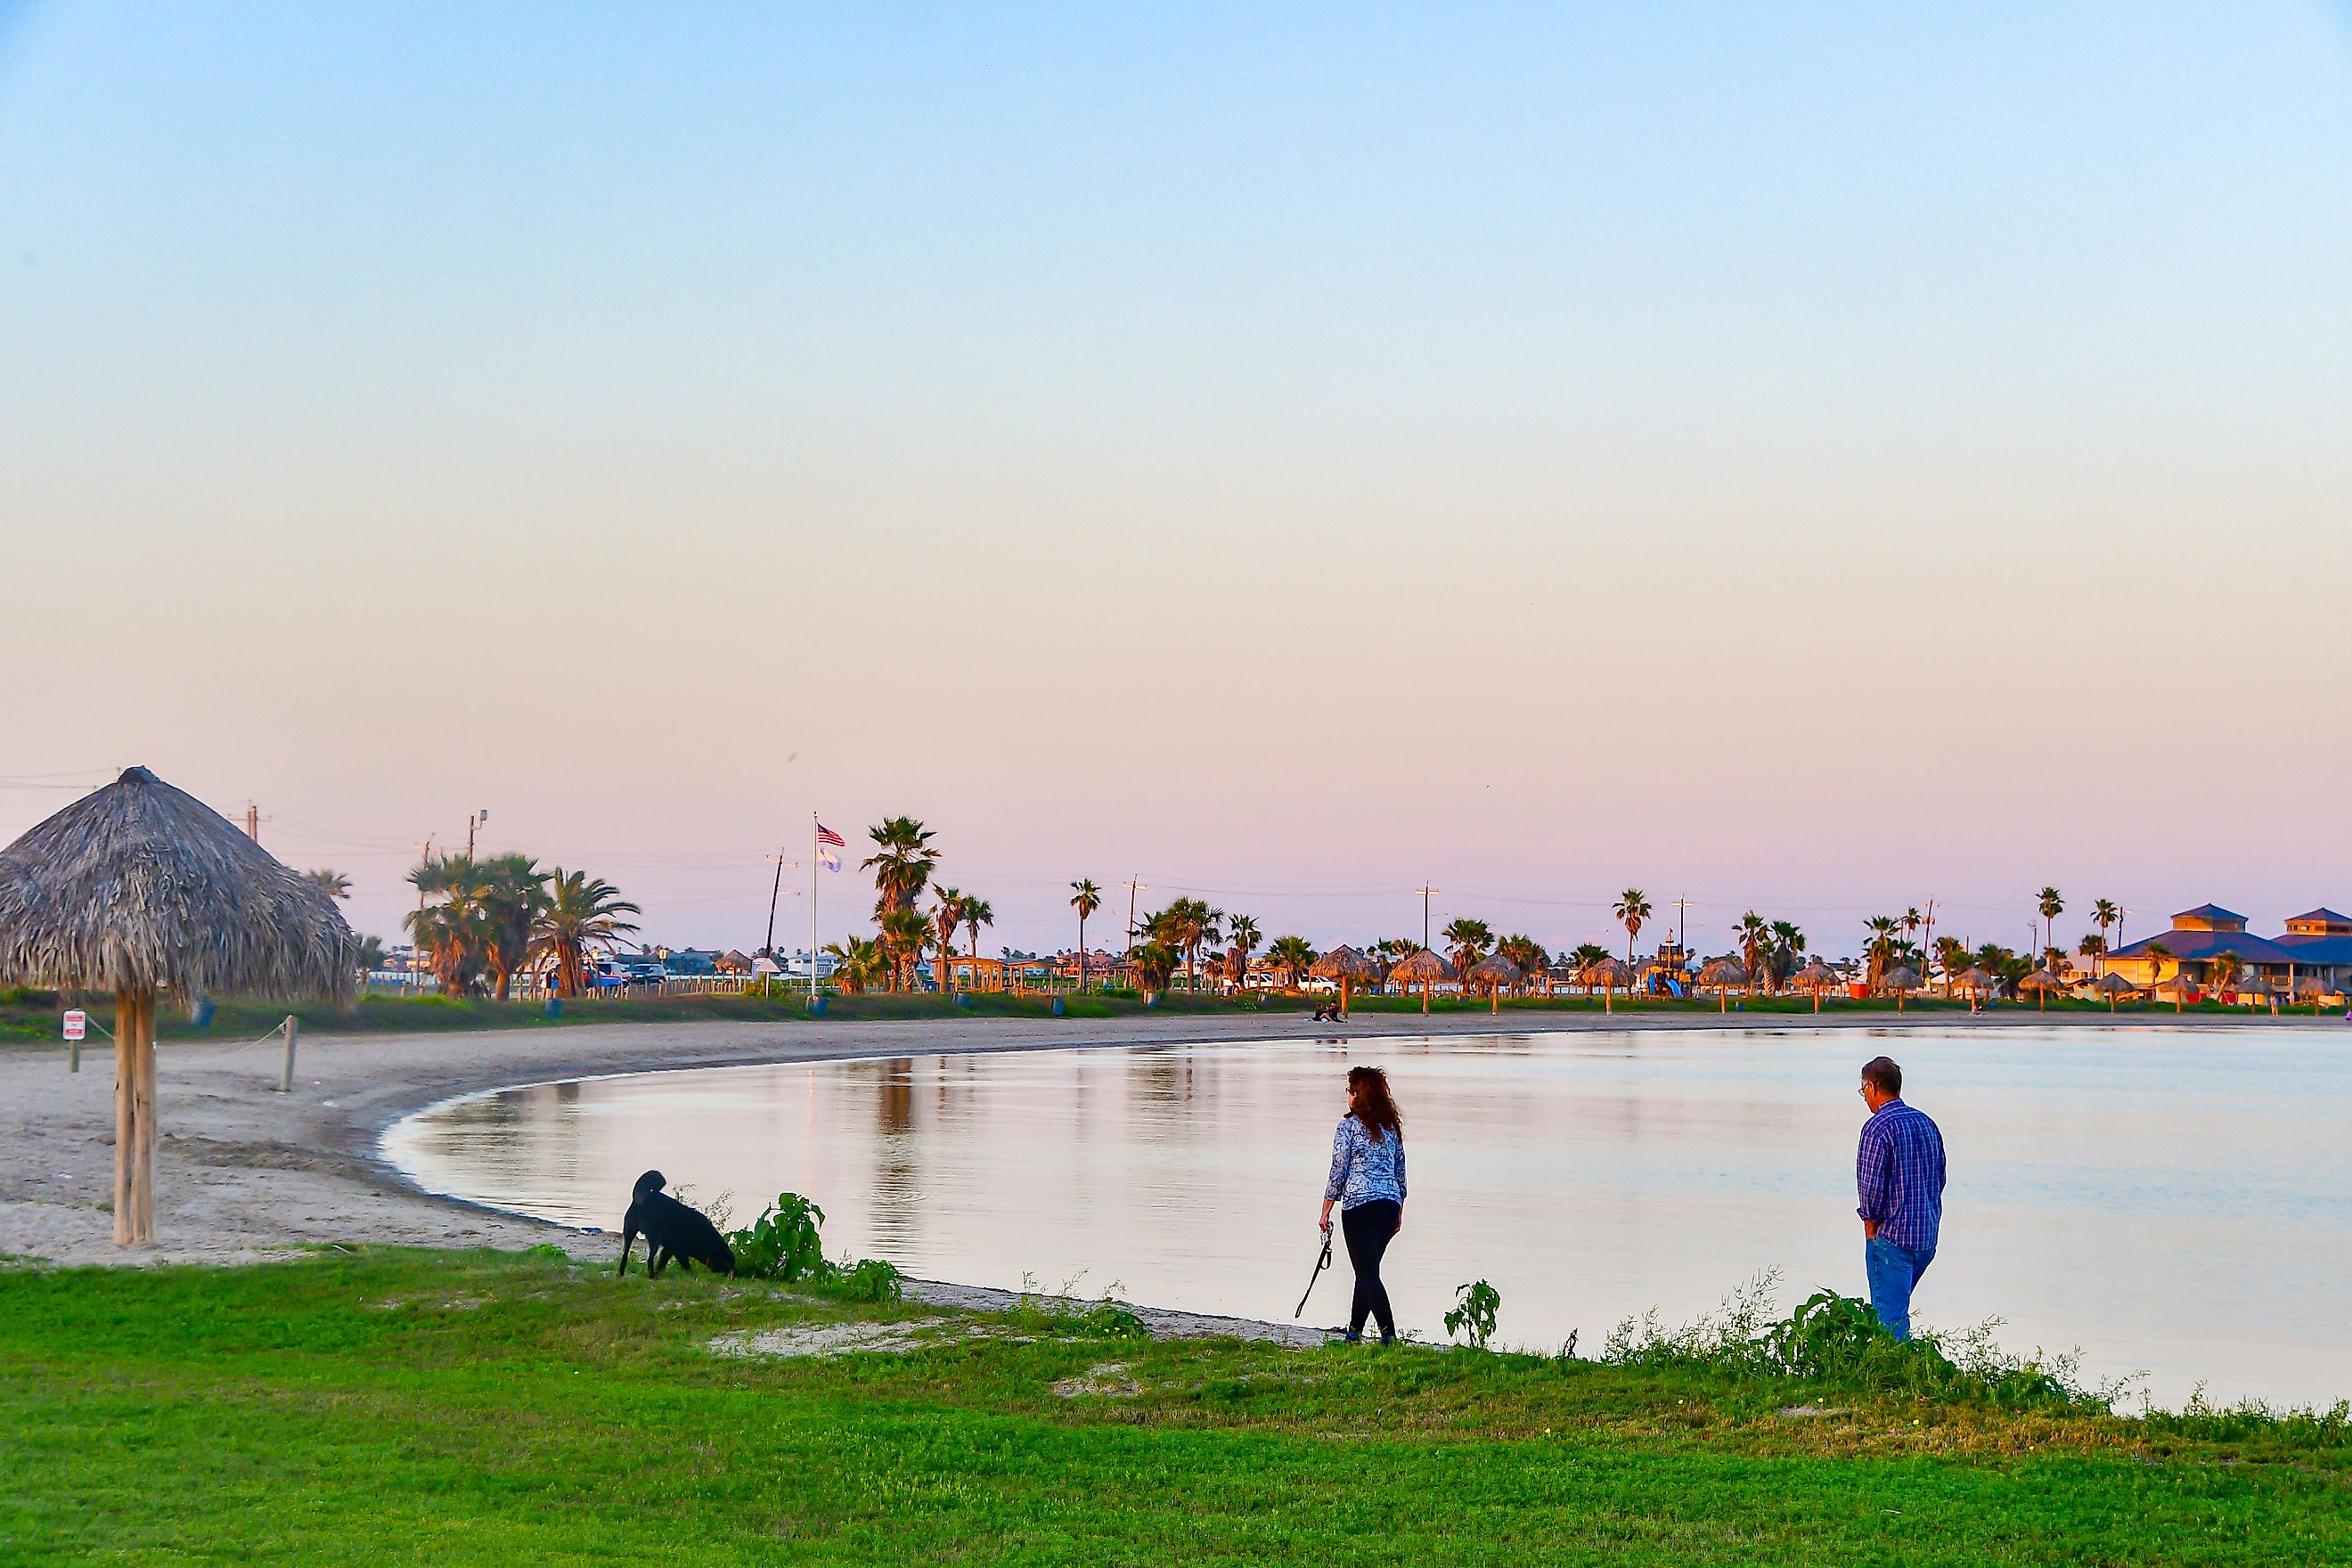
(1892, 1271)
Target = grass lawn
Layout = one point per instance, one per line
(476, 1408)
(30, 1017)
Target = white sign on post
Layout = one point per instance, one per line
(77, 1024)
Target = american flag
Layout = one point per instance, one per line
(827, 836)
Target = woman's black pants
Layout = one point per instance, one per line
(1368, 1228)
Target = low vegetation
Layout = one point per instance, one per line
(373, 1406)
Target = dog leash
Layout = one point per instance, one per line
(1320, 1263)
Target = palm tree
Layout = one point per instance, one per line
(1787, 946)
(1881, 947)
(1755, 945)
(582, 914)
(2051, 906)
(904, 935)
(452, 933)
(1392, 950)
(513, 890)
(1241, 939)
(1586, 955)
(1084, 898)
(371, 958)
(2221, 971)
(1912, 920)
(946, 917)
(1153, 962)
(1185, 925)
(1951, 956)
(338, 886)
(2095, 948)
(1467, 942)
(857, 963)
(901, 863)
(2106, 912)
(2156, 953)
(979, 913)
(1633, 909)
(1527, 955)
(1291, 957)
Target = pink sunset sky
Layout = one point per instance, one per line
(1813, 462)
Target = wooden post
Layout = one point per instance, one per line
(134, 1118)
(126, 1078)
(286, 1074)
(1343, 993)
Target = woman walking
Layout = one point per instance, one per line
(1368, 1184)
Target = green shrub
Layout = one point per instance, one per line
(867, 1280)
(786, 1242)
(1838, 1340)
(783, 1243)
(1474, 1309)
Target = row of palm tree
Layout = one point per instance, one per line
(478, 922)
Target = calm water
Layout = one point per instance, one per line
(2179, 1203)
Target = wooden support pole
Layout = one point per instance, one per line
(134, 1118)
(126, 1078)
(285, 1075)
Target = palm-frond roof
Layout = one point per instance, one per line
(142, 887)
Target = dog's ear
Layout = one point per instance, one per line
(651, 1182)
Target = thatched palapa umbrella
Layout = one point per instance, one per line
(1722, 974)
(142, 890)
(1977, 980)
(1814, 977)
(2114, 985)
(1345, 965)
(1427, 967)
(1609, 973)
(2041, 983)
(1901, 981)
(2178, 988)
(1495, 972)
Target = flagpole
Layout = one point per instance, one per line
(814, 850)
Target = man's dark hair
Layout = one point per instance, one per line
(1883, 1076)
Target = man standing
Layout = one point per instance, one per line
(1899, 1173)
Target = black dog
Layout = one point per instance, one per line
(671, 1230)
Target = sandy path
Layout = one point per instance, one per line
(245, 1173)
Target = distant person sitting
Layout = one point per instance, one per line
(1899, 1173)
(1326, 1013)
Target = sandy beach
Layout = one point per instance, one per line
(245, 1173)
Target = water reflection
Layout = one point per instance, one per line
(2112, 1189)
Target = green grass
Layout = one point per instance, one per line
(33, 1017)
(30, 1017)
(473, 1407)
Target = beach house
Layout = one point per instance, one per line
(2207, 937)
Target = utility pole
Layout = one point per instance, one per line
(778, 862)
(253, 822)
(1425, 893)
(1682, 926)
(472, 823)
(1927, 942)
(424, 859)
(1133, 886)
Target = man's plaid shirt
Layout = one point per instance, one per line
(1899, 1172)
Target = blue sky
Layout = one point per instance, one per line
(1776, 453)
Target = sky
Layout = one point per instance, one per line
(1807, 458)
